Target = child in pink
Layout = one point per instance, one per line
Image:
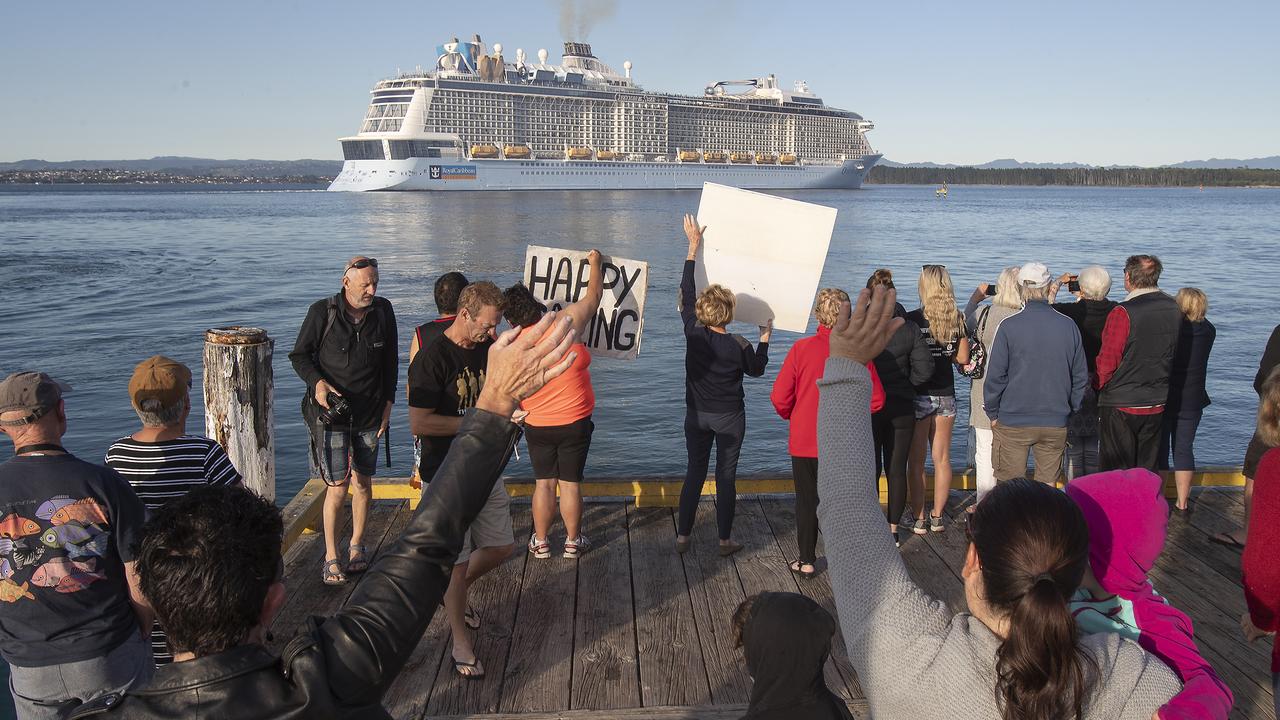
(1128, 516)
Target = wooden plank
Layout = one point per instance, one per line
(1225, 502)
(707, 712)
(672, 671)
(716, 592)
(539, 669)
(838, 673)
(496, 597)
(303, 512)
(605, 673)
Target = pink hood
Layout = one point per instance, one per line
(1128, 517)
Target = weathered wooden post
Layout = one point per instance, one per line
(238, 388)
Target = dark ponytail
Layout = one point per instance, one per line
(1033, 545)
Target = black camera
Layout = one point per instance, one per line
(339, 409)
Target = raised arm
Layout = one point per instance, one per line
(366, 644)
(881, 610)
(688, 295)
(585, 309)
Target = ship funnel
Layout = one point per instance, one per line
(577, 49)
(626, 65)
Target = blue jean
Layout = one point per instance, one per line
(1178, 434)
(55, 691)
(701, 429)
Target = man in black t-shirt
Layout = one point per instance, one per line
(70, 610)
(445, 379)
(447, 289)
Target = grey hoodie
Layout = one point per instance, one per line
(909, 650)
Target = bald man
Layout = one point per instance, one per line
(346, 353)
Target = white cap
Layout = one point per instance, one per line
(1033, 275)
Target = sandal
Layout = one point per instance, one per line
(332, 576)
(797, 567)
(359, 561)
(475, 668)
(471, 618)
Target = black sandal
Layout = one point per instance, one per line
(797, 568)
(471, 618)
(474, 665)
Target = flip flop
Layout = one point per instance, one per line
(471, 618)
(795, 568)
(1228, 540)
(474, 666)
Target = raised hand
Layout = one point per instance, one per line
(861, 334)
(520, 364)
(593, 258)
(694, 233)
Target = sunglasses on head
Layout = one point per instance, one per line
(934, 267)
(362, 264)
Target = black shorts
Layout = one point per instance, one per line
(560, 451)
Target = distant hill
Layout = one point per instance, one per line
(1261, 163)
(189, 165)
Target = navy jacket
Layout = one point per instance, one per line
(1191, 366)
(1036, 370)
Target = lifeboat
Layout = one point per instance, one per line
(578, 153)
(740, 158)
(606, 155)
(787, 159)
(715, 156)
(484, 151)
(766, 158)
(517, 152)
(690, 156)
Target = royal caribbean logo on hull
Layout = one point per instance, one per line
(453, 172)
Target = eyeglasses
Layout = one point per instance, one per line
(362, 263)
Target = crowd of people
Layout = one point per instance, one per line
(164, 544)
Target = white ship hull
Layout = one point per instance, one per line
(455, 175)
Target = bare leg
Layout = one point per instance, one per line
(361, 496)
(334, 497)
(455, 608)
(1182, 478)
(942, 427)
(484, 559)
(915, 465)
(571, 508)
(544, 507)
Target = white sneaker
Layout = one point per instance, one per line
(573, 547)
(540, 549)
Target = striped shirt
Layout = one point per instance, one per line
(168, 469)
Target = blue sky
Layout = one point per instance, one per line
(1117, 82)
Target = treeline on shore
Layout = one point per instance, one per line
(1095, 177)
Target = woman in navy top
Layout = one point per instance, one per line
(1187, 396)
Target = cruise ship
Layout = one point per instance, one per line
(478, 122)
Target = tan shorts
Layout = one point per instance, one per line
(492, 527)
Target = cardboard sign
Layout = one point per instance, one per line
(559, 277)
(768, 250)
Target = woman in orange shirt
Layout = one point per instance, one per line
(558, 424)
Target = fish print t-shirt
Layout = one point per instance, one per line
(446, 378)
(66, 529)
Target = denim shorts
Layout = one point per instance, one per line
(940, 405)
(347, 450)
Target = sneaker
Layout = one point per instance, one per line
(935, 523)
(919, 526)
(540, 549)
(573, 547)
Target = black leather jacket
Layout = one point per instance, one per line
(340, 667)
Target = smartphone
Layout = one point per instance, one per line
(1073, 285)
(991, 289)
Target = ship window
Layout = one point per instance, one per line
(362, 150)
(404, 149)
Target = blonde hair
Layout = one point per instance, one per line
(475, 297)
(1269, 409)
(938, 303)
(714, 307)
(827, 307)
(1008, 292)
(882, 277)
(1193, 303)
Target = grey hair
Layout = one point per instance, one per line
(1095, 282)
(1008, 293)
(1035, 293)
(153, 414)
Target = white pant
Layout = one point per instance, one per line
(982, 461)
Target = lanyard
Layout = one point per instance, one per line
(36, 447)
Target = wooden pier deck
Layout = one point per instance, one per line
(632, 630)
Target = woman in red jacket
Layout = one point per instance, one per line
(795, 397)
(1260, 571)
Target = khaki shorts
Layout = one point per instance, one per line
(492, 527)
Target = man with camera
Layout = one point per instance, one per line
(347, 355)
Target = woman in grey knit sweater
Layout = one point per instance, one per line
(1015, 654)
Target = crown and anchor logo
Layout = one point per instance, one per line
(435, 172)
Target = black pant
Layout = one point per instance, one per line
(804, 470)
(892, 431)
(701, 429)
(1128, 441)
(1178, 435)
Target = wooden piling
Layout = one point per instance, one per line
(238, 389)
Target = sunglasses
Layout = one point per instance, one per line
(362, 264)
(933, 267)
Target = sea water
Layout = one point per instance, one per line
(96, 278)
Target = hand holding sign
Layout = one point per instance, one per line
(560, 277)
(694, 233)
